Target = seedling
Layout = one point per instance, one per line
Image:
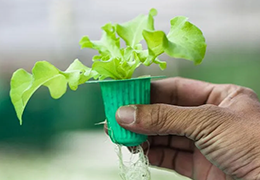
(116, 63)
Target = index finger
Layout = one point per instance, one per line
(181, 91)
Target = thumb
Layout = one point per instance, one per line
(162, 119)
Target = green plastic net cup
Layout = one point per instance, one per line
(117, 93)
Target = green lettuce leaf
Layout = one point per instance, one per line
(115, 68)
(108, 46)
(131, 31)
(77, 74)
(24, 84)
(120, 63)
(184, 40)
(109, 68)
(20, 82)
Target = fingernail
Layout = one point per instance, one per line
(126, 114)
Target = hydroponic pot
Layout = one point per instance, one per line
(117, 93)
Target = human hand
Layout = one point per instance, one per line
(203, 131)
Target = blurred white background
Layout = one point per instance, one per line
(51, 29)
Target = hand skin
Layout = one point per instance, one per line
(203, 131)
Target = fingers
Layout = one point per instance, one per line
(161, 119)
(188, 92)
(181, 162)
(175, 142)
(180, 91)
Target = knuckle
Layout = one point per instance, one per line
(208, 118)
(208, 108)
(250, 92)
(235, 90)
(231, 87)
(210, 112)
(240, 90)
(158, 117)
(176, 79)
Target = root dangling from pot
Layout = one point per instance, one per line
(134, 168)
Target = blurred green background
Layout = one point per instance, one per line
(59, 138)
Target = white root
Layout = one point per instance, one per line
(136, 168)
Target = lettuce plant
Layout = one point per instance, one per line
(184, 40)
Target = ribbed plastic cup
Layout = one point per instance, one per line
(117, 93)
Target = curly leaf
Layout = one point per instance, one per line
(108, 46)
(162, 64)
(111, 68)
(131, 31)
(20, 82)
(147, 59)
(24, 84)
(184, 40)
(77, 74)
